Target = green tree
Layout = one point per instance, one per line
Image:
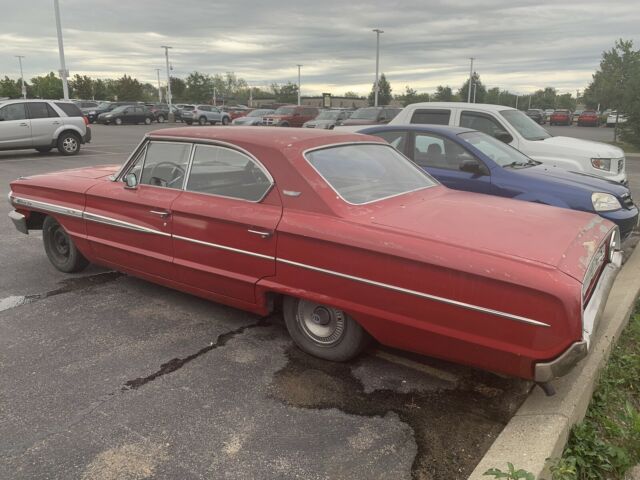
(493, 96)
(48, 86)
(351, 94)
(81, 87)
(384, 91)
(101, 90)
(10, 88)
(178, 91)
(443, 94)
(199, 87)
(478, 89)
(287, 93)
(127, 88)
(412, 96)
(149, 93)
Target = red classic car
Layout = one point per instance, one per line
(349, 236)
(561, 117)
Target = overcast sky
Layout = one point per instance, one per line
(521, 45)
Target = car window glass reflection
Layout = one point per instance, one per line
(165, 164)
(228, 173)
(437, 152)
(14, 111)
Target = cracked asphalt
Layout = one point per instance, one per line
(105, 376)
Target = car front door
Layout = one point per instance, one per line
(130, 227)
(44, 122)
(224, 224)
(15, 126)
(215, 115)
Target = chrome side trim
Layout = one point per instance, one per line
(419, 294)
(93, 217)
(224, 247)
(49, 207)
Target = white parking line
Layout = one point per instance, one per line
(405, 362)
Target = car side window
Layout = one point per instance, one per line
(398, 140)
(438, 152)
(431, 116)
(162, 164)
(481, 122)
(37, 110)
(228, 173)
(13, 111)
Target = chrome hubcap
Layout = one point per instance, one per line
(324, 325)
(60, 244)
(69, 144)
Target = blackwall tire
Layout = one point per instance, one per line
(60, 248)
(324, 331)
(68, 143)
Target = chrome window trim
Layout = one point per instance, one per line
(94, 217)
(224, 247)
(344, 144)
(428, 296)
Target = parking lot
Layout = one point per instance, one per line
(106, 376)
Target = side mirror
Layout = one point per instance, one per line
(472, 166)
(503, 136)
(131, 181)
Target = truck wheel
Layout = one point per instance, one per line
(323, 331)
(69, 143)
(60, 249)
(202, 120)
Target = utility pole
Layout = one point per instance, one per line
(63, 68)
(171, 115)
(475, 87)
(299, 84)
(159, 89)
(517, 96)
(376, 84)
(529, 102)
(24, 87)
(470, 80)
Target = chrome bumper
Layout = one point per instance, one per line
(20, 222)
(547, 371)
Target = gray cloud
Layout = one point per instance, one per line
(520, 44)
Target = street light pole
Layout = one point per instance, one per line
(24, 88)
(166, 56)
(159, 89)
(376, 86)
(299, 83)
(470, 80)
(63, 68)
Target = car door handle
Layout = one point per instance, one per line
(260, 233)
(160, 213)
(55, 123)
(23, 124)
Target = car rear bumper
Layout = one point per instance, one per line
(564, 363)
(87, 136)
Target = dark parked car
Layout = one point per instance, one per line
(470, 160)
(105, 107)
(127, 114)
(536, 115)
(372, 116)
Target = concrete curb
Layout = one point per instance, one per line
(541, 426)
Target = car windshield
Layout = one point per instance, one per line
(501, 153)
(284, 111)
(328, 115)
(259, 113)
(364, 173)
(120, 109)
(365, 114)
(525, 125)
(103, 106)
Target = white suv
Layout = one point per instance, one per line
(43, 125)
(515, 128)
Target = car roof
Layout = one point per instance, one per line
(441, 129)
(479, 106)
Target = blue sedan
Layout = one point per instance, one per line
(469, 160)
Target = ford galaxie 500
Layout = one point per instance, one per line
(353, 239)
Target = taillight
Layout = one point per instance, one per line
(86, 120)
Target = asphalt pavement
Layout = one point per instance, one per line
(105, 376)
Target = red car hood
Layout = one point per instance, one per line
(561, 238)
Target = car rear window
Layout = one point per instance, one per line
(71, 109)
(431, 116)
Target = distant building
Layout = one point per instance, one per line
(336, 102)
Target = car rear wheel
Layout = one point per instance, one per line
(323, 331)
(43, 149)
(225, 120)
(202, 120)
(147, 120)
(160, 118)
(69, 143)
(284, 124)
(60, 248)
(188, 122)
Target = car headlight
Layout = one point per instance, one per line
(604, 202)
(108, 115)
(601, 163)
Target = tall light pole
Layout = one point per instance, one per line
(24, 87)
(166, 56)
(159, 89)
(299, 66)
(63, 68)
(375, 85)
(470, 80)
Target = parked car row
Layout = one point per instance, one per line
(582, 118)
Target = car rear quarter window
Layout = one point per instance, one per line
(430, 116)
(70, 109)
(40, 110)
(228, 173)
(13, 111)
(397, 139)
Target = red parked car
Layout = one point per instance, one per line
(561, 117)
(589, 118)
(290, 116)
(350, 237)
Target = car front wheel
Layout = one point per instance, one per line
(225, 120)
(147, 121)
(60, 248)
(323, 331)
(69, 143)
(118, 121)
(160, 118)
